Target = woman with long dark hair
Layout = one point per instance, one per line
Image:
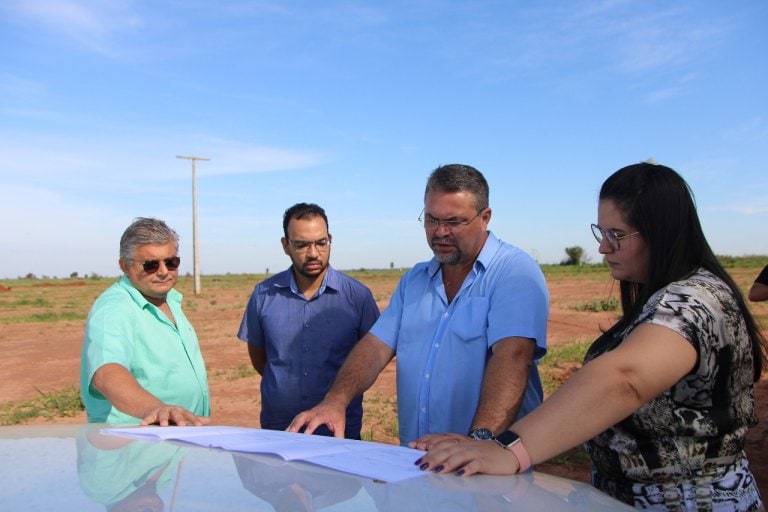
(666, 394)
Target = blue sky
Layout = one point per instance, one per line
(351, 104)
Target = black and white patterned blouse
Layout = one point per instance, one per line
(683, 450)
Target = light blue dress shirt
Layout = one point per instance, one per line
(442, 348)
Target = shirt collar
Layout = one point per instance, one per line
(331, 281)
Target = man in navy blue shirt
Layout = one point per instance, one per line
(300, 324)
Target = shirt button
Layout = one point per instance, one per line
(426, 376)
(424, 409)
(305, 374)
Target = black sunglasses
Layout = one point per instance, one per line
(152, 266)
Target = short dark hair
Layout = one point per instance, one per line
(302, 211)
(459, 178)
(145, 231)
(656, 201)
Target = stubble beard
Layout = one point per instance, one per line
(452, 258)
(313, 273)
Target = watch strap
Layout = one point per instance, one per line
(512, 442)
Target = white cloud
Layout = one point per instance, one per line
(87, 157)
(678, 88)
(237, 157)
(90, 23)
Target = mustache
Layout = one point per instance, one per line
(443, 241)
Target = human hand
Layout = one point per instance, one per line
(329, 414)
(469, 458)
(165, 415)
(429, 441)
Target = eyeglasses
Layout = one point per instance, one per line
(609, 235)
(301, 245)
(152, 266)
(453, 225)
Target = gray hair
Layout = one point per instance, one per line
(145, 231)
(459, 178)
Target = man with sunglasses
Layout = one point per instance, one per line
(467, 328)
(141, 360)
(300, 324)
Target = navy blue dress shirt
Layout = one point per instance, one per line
(306, 341)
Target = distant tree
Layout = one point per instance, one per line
(391, 265)
(30, 276)
(575, 255)
(74, 275)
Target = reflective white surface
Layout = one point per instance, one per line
(73, 467)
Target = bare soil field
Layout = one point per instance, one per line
(41, 331)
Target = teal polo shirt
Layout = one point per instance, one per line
(123, 327)
(110, 475)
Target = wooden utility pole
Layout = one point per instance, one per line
(195, 257)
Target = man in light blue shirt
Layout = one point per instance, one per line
(301, 324)
(141, 360)
(467, 327)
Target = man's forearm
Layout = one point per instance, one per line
(360, 370)
(504, 383)
(122, 390)
(258, 358)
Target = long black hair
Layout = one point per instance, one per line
(657, 201)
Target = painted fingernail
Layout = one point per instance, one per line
(424, 466)
(418, 462)
(439, 468)
(460, 472)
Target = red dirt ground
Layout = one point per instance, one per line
(45, 356)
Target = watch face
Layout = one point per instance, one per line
(507, 438)
(481, 434)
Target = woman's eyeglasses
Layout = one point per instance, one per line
(152, 266)
(610, 236)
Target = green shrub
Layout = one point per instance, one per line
(595, 306)
(54, 404)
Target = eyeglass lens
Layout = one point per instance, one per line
(152, 266)
(453, 224)
(609, 234)
(301, 245)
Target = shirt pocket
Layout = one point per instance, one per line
(469, 320)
